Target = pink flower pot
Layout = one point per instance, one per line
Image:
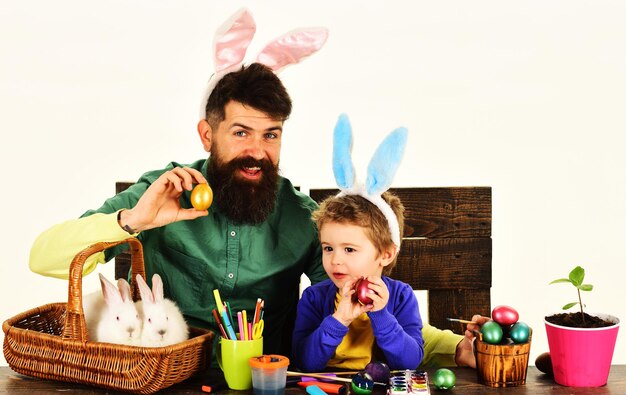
(581, 357)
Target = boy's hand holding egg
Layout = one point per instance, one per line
(361, 291)
(371, 291)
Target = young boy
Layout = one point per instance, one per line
(334, 331)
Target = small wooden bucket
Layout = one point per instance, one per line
(501, 365)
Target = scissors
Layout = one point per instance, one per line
(257, 329)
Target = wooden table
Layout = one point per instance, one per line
(536, 384)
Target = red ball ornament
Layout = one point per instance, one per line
(361, 290)
(504, 315)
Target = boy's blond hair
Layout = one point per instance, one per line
(356, 210)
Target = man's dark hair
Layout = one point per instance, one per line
(256, 86)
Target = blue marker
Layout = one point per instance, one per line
(227, 324)
(315, 390)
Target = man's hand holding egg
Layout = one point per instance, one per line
(202, 197)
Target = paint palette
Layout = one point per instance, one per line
(414, 382)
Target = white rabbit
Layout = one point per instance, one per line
(163, 323)
(111, 315)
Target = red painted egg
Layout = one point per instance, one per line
(361, 288)
(504, 315)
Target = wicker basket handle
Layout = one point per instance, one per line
(75, 327)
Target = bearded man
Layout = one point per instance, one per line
(255, 241)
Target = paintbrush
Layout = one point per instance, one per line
(462, 321)
(324, 376)
(348, 373)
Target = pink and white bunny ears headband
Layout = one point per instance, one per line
(380, 171)
(234, 36)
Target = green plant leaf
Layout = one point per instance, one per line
(569, 305)
(585, 287)
(560, 280)
(577, 275)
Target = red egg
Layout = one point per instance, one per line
(504, 315)
(361, 291)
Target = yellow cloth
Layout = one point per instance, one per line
(53, 251)
(355, 350)
(439, 347)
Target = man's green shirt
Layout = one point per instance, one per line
(243, 262)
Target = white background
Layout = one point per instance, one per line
(525, 97)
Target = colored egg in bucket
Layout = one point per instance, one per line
(492, 332)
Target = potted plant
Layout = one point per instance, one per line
(581, 344)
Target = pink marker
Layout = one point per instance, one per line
(240, 320)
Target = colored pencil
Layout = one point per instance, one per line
(257, 311)
(219, 323)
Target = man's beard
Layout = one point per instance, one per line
(243, 201)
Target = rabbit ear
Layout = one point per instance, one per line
(111, 294)
(234, 36)
(292, 47)
(144, 290)
(124, 288)
(230, 45)
(385, 162)
(342, 148)
(157, 288)
(232, 40)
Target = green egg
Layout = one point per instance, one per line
(520, 332)
(444, 379)
(362, 383)
(492, 332)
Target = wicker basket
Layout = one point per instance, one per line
(51, 342)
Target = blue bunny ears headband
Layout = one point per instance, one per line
(380, 171)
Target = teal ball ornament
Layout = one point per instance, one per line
(362, 383)
(444, 379)
(520, 332)
(492, 332)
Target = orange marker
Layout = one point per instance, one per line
(329, 388)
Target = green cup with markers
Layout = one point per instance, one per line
(233, 356)
(237, 347)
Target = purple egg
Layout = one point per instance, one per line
(379, 371)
